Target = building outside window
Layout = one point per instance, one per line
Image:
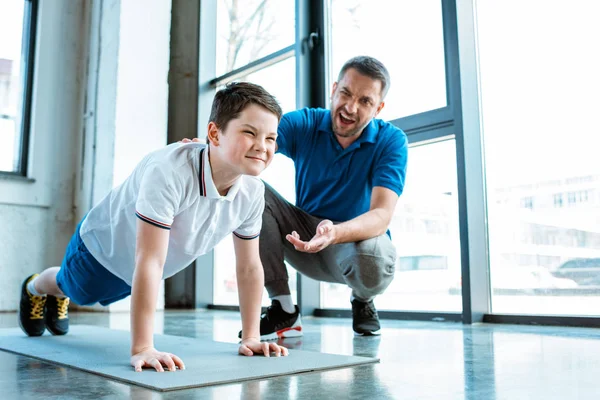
(535, 86)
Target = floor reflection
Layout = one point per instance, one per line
(418, 360)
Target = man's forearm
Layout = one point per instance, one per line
(144, 293)
(250, 288)
(366, 226)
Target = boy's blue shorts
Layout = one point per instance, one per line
(85, 280)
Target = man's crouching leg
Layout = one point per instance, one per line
(368, 268)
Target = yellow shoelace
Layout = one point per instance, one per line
(63, 307)
(37, 307)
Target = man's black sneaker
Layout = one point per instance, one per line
(57, 315)
(365, 320)
(31, 311)
(276, 323)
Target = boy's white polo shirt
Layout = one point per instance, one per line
(172, 188)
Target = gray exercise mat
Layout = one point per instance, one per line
(105, 352)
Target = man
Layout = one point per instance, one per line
(350, 170)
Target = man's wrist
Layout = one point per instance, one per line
(335, 234)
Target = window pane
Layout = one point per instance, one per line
(250, 29)
(540, 85)
(406, 36)
(280, 175)
(11, 90)
(425, 231)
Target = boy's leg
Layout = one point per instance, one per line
(45, 283)
(31, 310)
(43, 305)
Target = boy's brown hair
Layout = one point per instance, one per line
(230, 101)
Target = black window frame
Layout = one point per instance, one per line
(28, 43)
(446, 123)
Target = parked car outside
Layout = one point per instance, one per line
(522, 278)
(584, 271)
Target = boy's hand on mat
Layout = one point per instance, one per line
(251, 346)
(324, 237)
(152, 358)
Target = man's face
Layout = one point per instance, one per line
(355, 100)
(249, 141)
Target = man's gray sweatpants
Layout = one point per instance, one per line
(367, 267)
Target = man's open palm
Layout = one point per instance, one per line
(324, 237)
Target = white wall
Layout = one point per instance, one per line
(37, 217)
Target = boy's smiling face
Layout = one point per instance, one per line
(248, 143)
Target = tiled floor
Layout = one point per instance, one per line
(419, 360)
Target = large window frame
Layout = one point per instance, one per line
(436, 125)
(208, 82)
(460, 118)
(27, 67)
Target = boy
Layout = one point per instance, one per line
(178, 203)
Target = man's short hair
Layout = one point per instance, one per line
(230, 101)
(370, 67)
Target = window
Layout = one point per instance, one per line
(540, 78)
(280, 175)
(419, 263)
(406, 36)
(17, 33)
(254, 32)
(251, 29)
(425, 231)
(527, 202)
(558, 200)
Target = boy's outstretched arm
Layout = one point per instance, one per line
(150, 255)
(250, 278)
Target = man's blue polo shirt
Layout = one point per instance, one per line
(336, 183)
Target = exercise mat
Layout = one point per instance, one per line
(105, 352)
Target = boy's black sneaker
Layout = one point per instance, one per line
(57, 315)
(276, 323)
(31, 311)
(365, 320)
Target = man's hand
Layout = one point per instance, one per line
(252, 345)
(186, 140)
(324, 237)
(153, 358)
